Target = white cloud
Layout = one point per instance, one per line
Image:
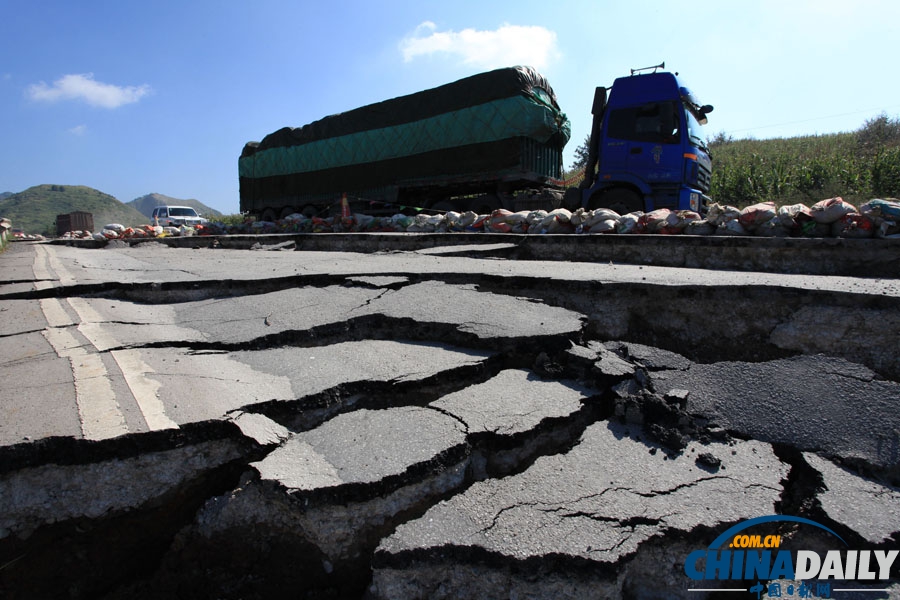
(78, 130)
(84, 87)
(506, 46)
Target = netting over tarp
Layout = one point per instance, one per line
(445, 131)
(489, 122)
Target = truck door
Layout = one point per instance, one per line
(644, 141)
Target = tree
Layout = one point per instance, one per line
(581, 155)
(879, 132)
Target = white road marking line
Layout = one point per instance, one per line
(65, 277)
(135, 370)
(41, 269)
(144, 389)
(55, 314)
(98, 409)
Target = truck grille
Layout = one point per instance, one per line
(704, 177)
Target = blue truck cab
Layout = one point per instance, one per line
(646, 150)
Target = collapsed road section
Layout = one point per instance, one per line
(205, 423)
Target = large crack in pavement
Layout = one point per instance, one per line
(344, 438)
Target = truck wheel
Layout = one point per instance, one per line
(621, 200)
(287, 210)
(572, 199)
(268, 215)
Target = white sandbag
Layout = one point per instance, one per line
(701, 227)
(720, 214)
(606, 226)
(831, 210)
(600, 214)
(628, 223)
(731, 227)
(793, 216)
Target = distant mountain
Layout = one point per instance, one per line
(146, 204)
(5, 195)
(35, 209)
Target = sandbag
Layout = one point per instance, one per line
(887, 209)
(600, 215)
(700, 227)
(719, 214)
(854, 226)
(628, 223)
(467, 218)
(831, 210)
(579, 216)
(685, 218)
(755, 215)
(793, 216)
(557, 220)
(731, 227)
(607, 226)
(498, 221)
(772, 228)
(661, 220)
(534, 220)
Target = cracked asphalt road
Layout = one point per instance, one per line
(422, 424)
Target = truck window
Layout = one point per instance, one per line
(693, 128)
(655, 122)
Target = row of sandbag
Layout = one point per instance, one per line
(831, 217)
(117, 231)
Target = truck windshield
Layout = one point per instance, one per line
(182, 212)
(655, 122)
(693, 128)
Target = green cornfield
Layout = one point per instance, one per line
(857, 166)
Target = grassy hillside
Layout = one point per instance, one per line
(35, 209)
(146, 204)
(857, 166)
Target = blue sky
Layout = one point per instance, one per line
(138, 97)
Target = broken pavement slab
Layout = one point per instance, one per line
(516, 415)
(816, 403)
(867, 507)
(578, 524)
(80, 516)
(301, 315)
(326, 496)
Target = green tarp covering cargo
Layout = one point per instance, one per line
(494, 132)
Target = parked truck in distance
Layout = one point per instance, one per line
(493, 140)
